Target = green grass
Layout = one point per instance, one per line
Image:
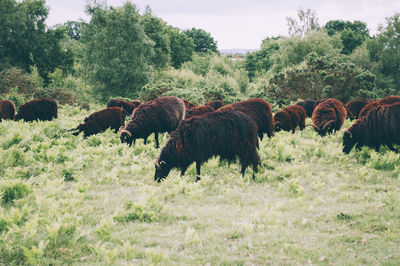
(70, 200)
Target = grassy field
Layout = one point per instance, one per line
(66, 199)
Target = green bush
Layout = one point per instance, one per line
(14, 192)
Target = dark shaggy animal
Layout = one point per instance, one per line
(328, 116)
(381, 126)
(38, 109)
(289, 118)
(229, 134)
(309, 105)
(160, 115)
(199, 110)
(112, 117)
(188, 105)
(127, 106)
(215, 104)
(258, 109)
(354, 107)
(7, 110)
(374, 104)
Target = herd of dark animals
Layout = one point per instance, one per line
(198, 133)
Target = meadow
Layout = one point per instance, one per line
(69, 200)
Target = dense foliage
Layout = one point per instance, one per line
(118, 52)
(203, 41)
(122, 53)
(323, 77)
(25, 40)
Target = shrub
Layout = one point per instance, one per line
(16, 78)
(14, 192)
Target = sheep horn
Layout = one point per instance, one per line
(328, 124)
(351, 135)
(157, 163)
(125, 131)
(314, 126)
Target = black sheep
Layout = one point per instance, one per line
(159, 115)
(309, 106)
(289, 118)
(199, 110)
(127, 106)
(380, 126)
(229, 134)
(258, 109)
(112, 117)
(7, 110)
(329, 116)
(38, 109)
(354, 107)
(374, 104)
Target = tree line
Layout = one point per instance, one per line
(121, 52)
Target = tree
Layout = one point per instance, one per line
(308, 22)
(118, 52)
(74, 29)
(352, 34)
(157, 30)
(262, 60)
(25, 39)
(330, 76)
(202, 40)
(182, 47)
(384, 52)
(294, 50)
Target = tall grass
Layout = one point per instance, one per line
(70, 200)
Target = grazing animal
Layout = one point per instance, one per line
(258, 109)
(159, 115)
(228, 134)
(354, 107)
(127, 106)
(380, 126)
(309, 105)
(188, 105)
(215, 104)
(111, 117)
(7, 110)
(289, 118)
(374, 104)
(199, 110)
(329, 116)
(38, 109)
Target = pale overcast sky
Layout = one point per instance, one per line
(240, 23)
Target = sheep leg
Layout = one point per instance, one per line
(156, 137)
(183, 171)
(260, 135)
(198, 166)
(293, 130)
(243, 170)
(302, 125)
(255, 170)
(145, 140)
